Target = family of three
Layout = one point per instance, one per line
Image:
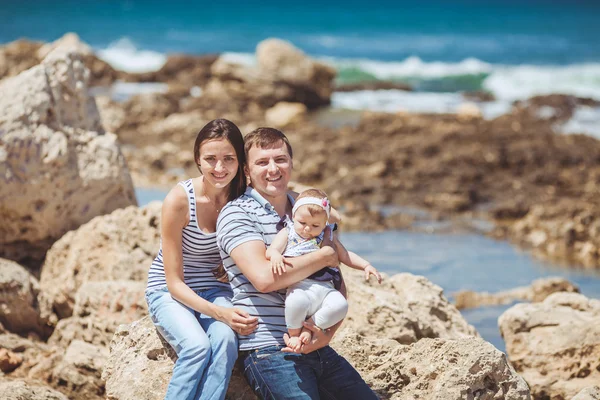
(284, 296)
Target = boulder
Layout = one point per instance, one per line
(282, 73)
(53, 141)
(467, 368)
(555, 344)
(100, 307)
(18, 389)
(17, 56)
(141, 362)
(118, 246)
(69, 42)
(591, 393)
(283, 114)
(405, 308)
(538, 291)
(19, 303)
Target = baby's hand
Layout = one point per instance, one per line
(277, 264)
(370, 270)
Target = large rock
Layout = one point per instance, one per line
(591, 393)
(555, 345)
(538, 291)
(20, 389)
(100, 307)
(139, 347)
(17, 56)
(404, 308)
(118, 246)
(467, 368)
(282, 73)
(20, 310)
(59, 167)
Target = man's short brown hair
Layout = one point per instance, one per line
(266, 138)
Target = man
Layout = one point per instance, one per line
(245, 227)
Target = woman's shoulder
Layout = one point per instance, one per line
(176, 199)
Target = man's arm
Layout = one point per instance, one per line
(251, 259)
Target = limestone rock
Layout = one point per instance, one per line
(538, 291)
(554, 345)
(283, 114)
(467, 368)
(69, 42)
(52, 139)
(404, 308)
(100, 307)
(591, 393)
(128, 237)
(282, 73)
(19, 304)
(9, 361)
(17, 56)
(20, 389)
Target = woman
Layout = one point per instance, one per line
(190, 308)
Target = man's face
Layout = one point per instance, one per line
(270, 170)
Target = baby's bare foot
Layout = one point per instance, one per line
(305, 336)
(295, 343)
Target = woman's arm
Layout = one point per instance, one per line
(175, 216)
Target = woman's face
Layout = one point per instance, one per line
(218, 162)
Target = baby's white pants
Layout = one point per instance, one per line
(314, 298)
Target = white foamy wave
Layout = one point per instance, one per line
(413, 102)
(124, 55)
(413, 67)
(524, 81)
(247, 59)
(584, 120)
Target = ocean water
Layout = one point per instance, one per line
(511, 48)
(454, 262)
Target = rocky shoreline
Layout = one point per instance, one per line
(73, 318)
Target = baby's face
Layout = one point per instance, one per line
(309, 226)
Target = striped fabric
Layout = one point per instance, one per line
(247, 218)
(200, 253)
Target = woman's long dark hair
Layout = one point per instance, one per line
(225, 129)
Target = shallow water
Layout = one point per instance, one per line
(454, 262)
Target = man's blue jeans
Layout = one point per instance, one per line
(206, 348)
(322, 374)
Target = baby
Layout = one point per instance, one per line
(315, 297)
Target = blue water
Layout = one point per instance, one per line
(506, 32)
(455, 262)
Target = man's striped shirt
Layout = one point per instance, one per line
(247, 218)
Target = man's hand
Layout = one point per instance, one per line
(329, 242)
(319, 340)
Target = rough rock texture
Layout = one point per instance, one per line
(283, 114)
(52, 139)
(467, 368)
(20, 390)
(591, 393)
(554, 345)
(100, 307)
(138, 347)
(404, 308)
(283, 73)
(17, 56)
(19, 302)
(128, 237)
(536, 292)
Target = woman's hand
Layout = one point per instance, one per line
(238, 320)
(370, 270)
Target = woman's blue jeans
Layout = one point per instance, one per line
(206, 348)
